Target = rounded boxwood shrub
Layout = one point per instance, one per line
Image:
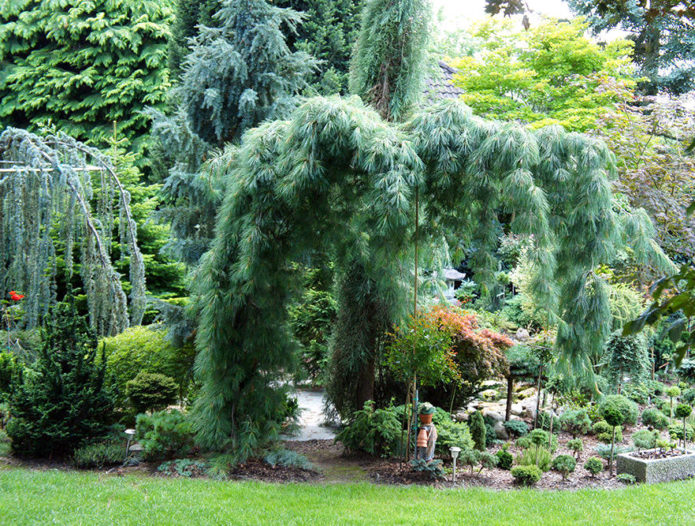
(564, 464)
(617, 410)
(604, 432)
(652, 417)
(147, 349)
(593, 465)
(526, 475)
(150, 392)
(575, 422)
(683, 410)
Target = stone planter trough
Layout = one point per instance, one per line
(657, 470)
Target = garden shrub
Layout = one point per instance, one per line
(617, 410)
(505, 460)
(516, 428)
(655, 387)
(433, 468)
(575, 422)
(374, 431)
(450, 433)
(150, 391)
(627, 478)
(8, 370)
(672, 392)
(147, 349)
(645, 439)
(478, 431)
(604, 450)
(60, 402)
(523, 442)
(526, 475)
(99, 455)
(5, 444)
(686, 370)
(544, 421)
(576, 446)
(652, 417)
(688, 396)
(564, 464)
(683, 410)
(164, 435)
(662, 404)
(675, 430)
(287, 458)
(604, 432)
(183, 467)
(537, 456)
(487, 461)
(593, 465)
(470, 458)
(638, 393)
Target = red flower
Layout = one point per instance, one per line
(15, 296)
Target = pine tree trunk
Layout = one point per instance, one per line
(510, 395)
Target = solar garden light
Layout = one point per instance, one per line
(454, 454)
(130, 433)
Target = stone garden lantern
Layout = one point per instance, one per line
(452, 276)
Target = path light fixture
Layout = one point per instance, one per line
(454, 454)
(130, 433)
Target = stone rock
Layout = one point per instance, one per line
(490, 394)
(517, 409)
(526, 393)
(497, 416)
(522, 335)
(501, 431)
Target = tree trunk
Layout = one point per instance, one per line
(365, 385)
(610, 460)
(510, 396)
(538, 398)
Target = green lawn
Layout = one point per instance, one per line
(43, 497)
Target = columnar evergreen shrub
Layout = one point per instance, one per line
(505, 460)
(60, 402)
(478, 432)
(80, 66)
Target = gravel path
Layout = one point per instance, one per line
(311, 418)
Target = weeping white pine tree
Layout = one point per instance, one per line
(337, 177)
(61, 200)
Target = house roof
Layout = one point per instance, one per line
(442, 86)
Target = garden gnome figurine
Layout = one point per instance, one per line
(426, 433)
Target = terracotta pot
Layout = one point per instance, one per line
(422, 438)
(425, 419)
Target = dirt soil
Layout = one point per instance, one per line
(334, 465)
